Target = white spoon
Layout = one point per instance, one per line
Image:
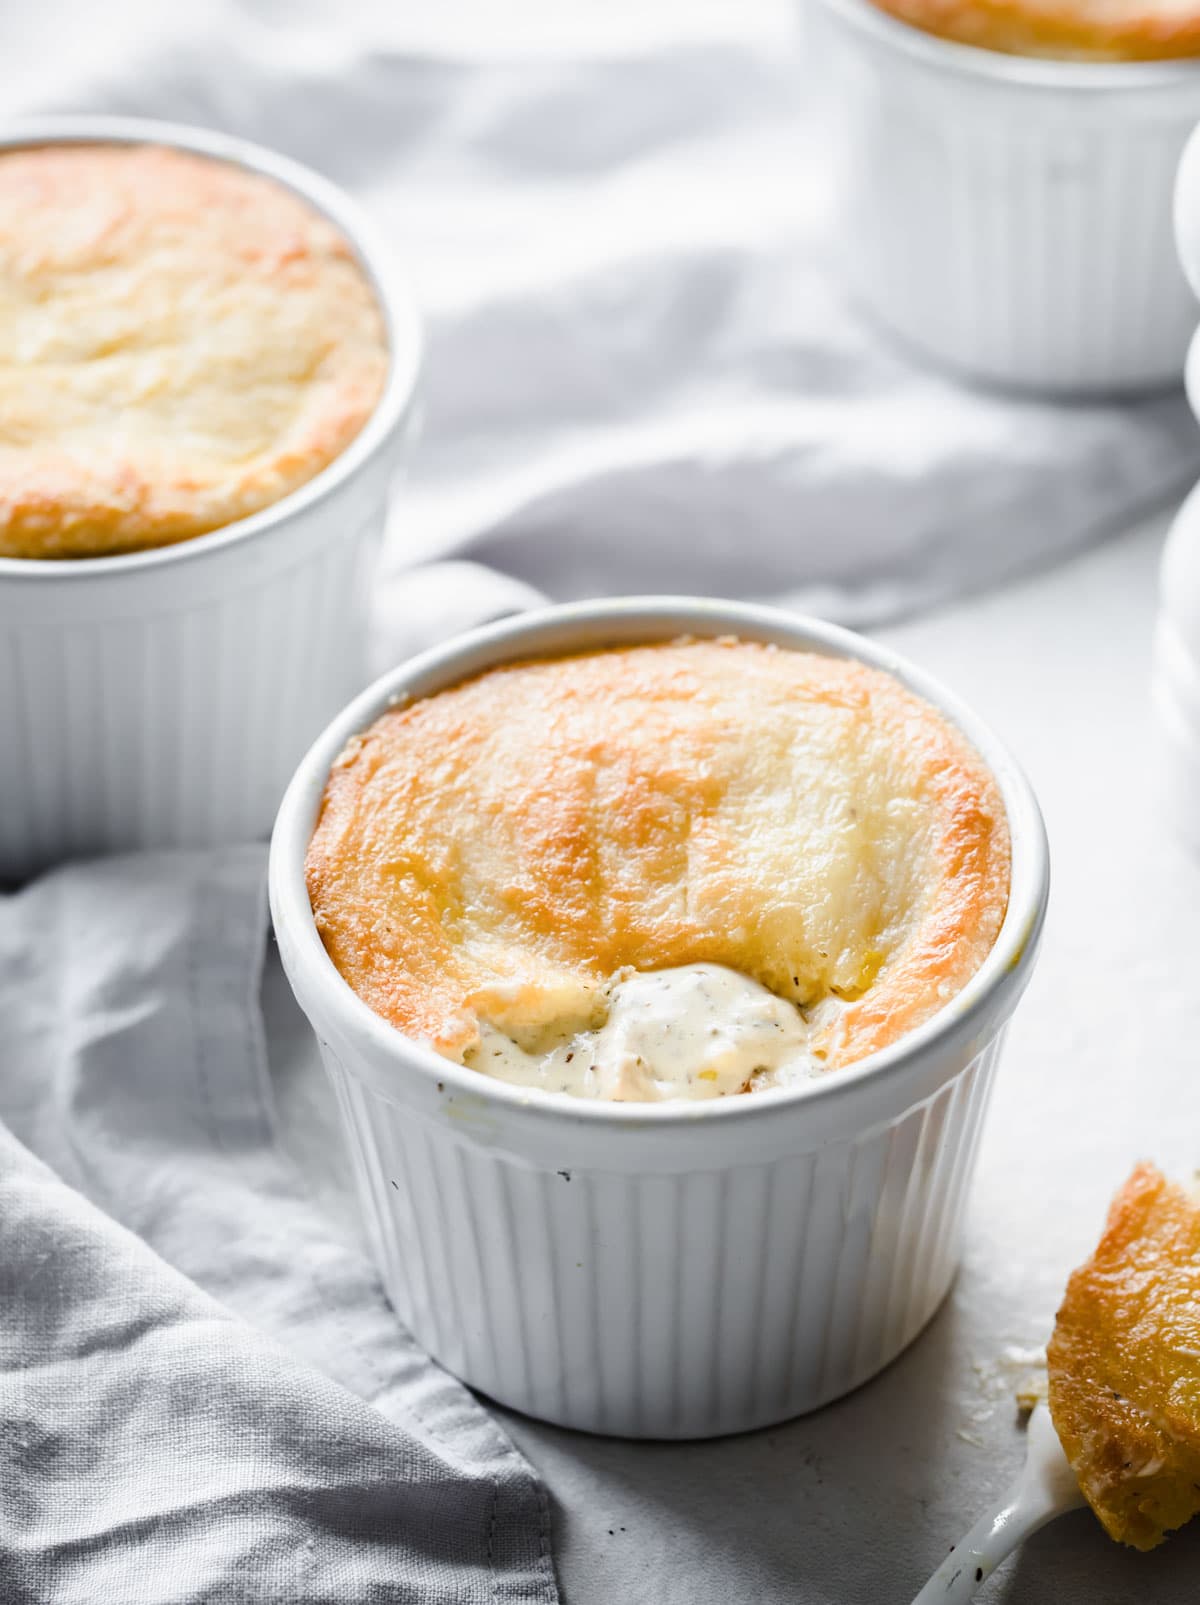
(1045, 1488)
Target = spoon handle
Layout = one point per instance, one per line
(1045, 1488)
(995, 1535)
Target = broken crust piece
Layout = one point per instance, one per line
(1124, 1363)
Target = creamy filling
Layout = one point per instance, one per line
(695, 1031)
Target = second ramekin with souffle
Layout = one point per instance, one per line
(660, 952)
(1004, 182)
(208, 362)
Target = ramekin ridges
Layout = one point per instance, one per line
(659, 1270)
(165, 697)
(1010, 217)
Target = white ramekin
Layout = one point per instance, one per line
(1010, 217)
(1175, 681)
(1175, 677)
(659, 1270)
(164, 698)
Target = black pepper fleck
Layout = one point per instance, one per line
(565, 1174)
(441, 1086)
(979, 1574)
(396, 1185)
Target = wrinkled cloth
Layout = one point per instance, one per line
(205, 1396)
(642, 373)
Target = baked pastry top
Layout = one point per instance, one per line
(493, 856)
(1124, 1363)
(1065, 30)
(182, 343)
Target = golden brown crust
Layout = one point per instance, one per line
(1124, 1364)
(504, 847)
(1067, 30)
(182, 343)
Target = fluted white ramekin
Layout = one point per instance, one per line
(660, 1270)
(1010, 217)
(164, 697)
(1176, 673)
(1175, 678)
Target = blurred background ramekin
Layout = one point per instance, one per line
(1175, 679)
(164, 697)
(660, 1270)
(1009, 217)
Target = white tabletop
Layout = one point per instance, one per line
(856, 1504)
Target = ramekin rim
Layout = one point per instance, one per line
(395, 297)
(1019, 72)
(1003, 972)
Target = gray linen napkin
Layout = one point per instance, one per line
(204, 1395)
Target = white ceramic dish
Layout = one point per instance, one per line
(164, 698)
(659, 1270)
(1007, 216)
(1176, 673)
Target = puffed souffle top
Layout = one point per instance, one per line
(1068, 30)
(183, 342)
(661, 872)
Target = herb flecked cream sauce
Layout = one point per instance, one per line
(695, 1031)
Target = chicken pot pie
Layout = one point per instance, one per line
(672, 871)
(183, 342)
(1068, 30)
(1124, 1363)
